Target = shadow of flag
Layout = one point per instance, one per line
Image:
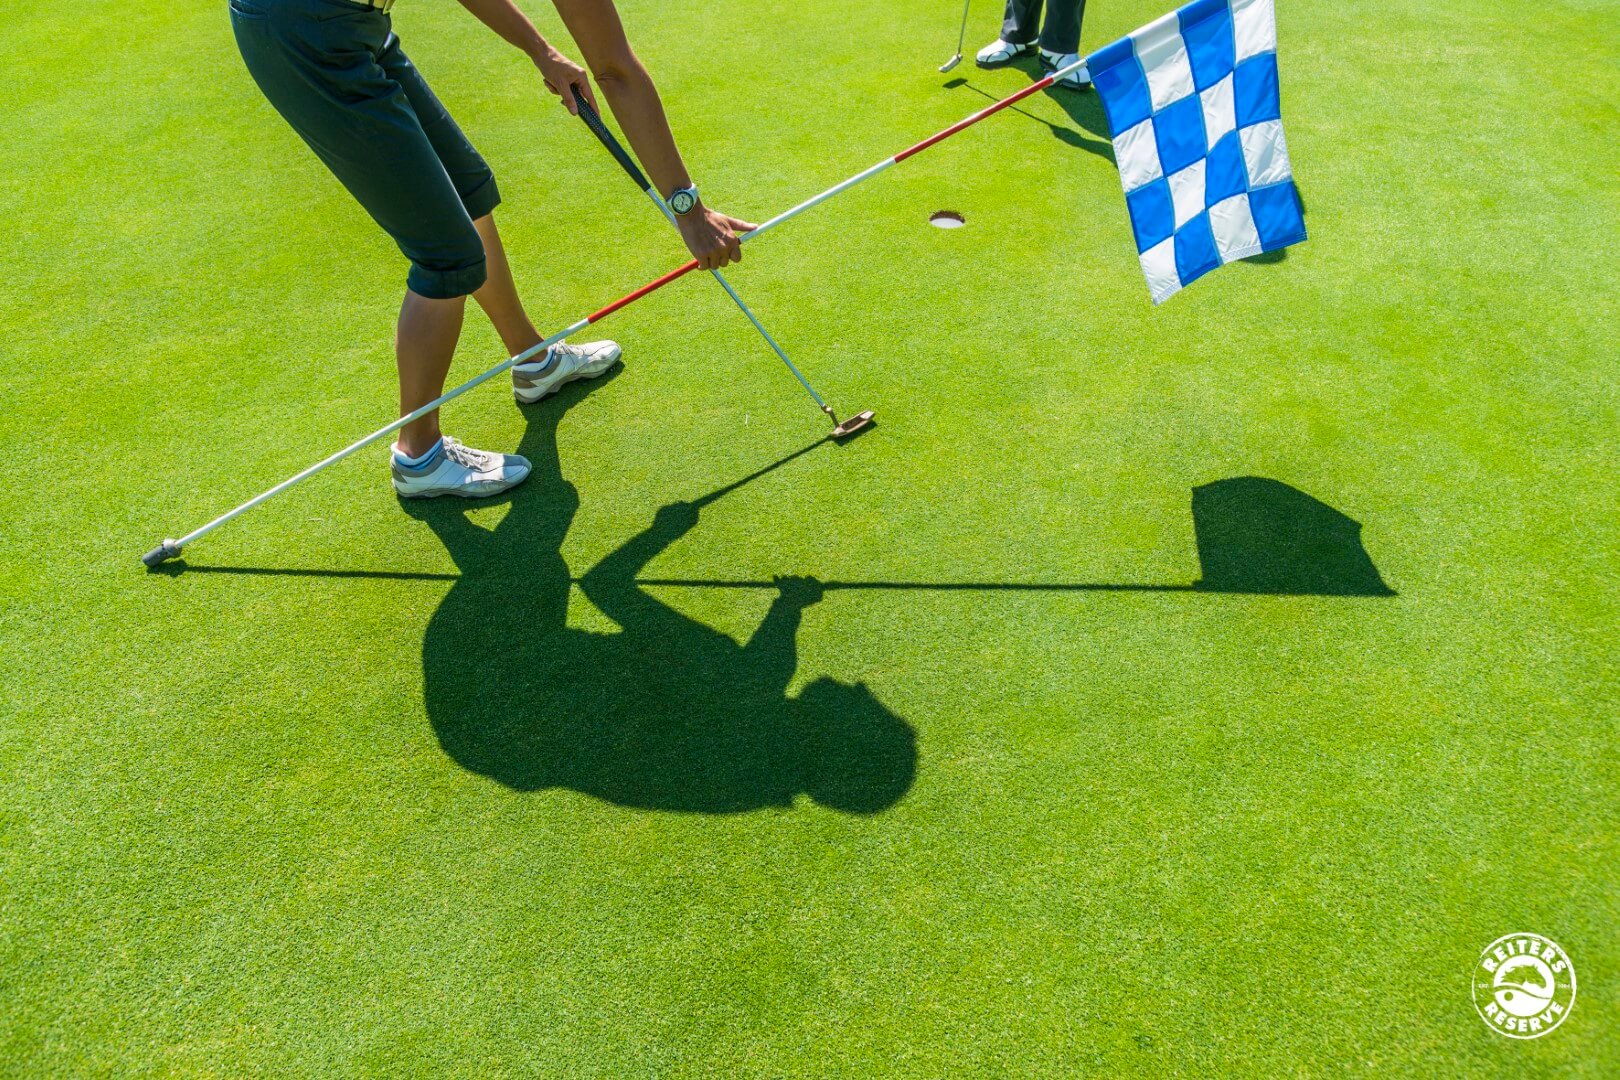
(1261, 536)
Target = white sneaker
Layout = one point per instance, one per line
(1000, 52)
(563, 363)
(1078, 79)
(455, 469)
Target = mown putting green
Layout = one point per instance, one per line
(1181, 691)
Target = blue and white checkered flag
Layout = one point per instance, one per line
(1192, 103)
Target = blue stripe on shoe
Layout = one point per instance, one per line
(424, 460)
(541, 366)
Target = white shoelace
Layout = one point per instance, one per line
(462, 454)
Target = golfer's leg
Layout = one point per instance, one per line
(467, 171)
(425, 465)
(424, 344)
(498, 295)
(475, 186)
(562, 363)
(325, 75)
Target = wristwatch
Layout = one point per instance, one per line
(681, 200)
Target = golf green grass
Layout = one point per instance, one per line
(367, 791)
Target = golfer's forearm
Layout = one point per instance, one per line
(629, 90)
(503, 17)
(635, 103)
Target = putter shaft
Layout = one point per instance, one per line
(961, 36)
(593, 120)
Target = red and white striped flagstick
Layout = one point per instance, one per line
(844, 185)
(170, 549)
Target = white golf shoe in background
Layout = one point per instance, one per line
(533, 381)
(1000, 52)
(455, 469)
(1078, 79)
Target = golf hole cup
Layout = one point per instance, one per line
(946, 219)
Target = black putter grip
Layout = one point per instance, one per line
(605, 137)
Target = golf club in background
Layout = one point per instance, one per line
(170, 549)
(622, 156)
(961, 36)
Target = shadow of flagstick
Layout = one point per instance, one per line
(927, 586)
(174, 569)
(1255, 537)
(1085, 112)
(829, 586)
(178, 567)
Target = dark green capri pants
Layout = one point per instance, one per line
(335, 71)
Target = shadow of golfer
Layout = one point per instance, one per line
(667, 713)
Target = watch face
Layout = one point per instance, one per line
(682, 201)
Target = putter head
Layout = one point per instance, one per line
(952, 62)
(858, 422)
(161, 554)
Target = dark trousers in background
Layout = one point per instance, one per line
(1062, 31)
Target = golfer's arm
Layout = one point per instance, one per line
(774, 656)
(596, 29)
(611, 583)
(503, 17)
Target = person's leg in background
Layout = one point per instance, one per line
(1060, 40)
(1022, 21)
(1019, 28)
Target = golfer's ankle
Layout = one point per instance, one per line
(518, 344)
(418, 461)
(413, 444)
